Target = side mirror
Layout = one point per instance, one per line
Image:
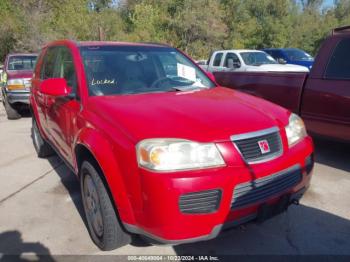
(231, 64)
(55, 87)
(211, 76)
(281, 61)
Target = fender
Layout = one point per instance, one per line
(102, 150)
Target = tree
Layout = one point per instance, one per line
(10, 27)
(195, 26)
(147, 23)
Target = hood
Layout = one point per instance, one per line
(204, 116)
(278, 68)
(19, 74)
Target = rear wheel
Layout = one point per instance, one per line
(11, 112)
(42, 148)
(103, 224)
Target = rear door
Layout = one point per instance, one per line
(62, 111)
(326, 99)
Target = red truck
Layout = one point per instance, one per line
(321, 97)
(16, 81)
(160, 149)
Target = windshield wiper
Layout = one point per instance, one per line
(172, 89)
(185, 88)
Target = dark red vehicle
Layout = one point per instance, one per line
(16, 81)
(159, 148)
(321, 98)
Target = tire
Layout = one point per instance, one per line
(103, 222)
(42, 148)
(11, 112)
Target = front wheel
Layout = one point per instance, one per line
(103, 224)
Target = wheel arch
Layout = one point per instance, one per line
(91, 146)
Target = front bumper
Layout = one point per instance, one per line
(293, 199)
(17, 97)
(160, 216)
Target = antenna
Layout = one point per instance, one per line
(100, 33)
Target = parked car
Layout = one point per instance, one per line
(247, 61)
(321, 97)
(16, 79)
(293, 56)
(163, 153)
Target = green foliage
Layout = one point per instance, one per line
(11, 27)
(195, 26)
(147, 23)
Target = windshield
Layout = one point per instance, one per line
(21, 63)
(298, 55)
(257, 58)
(114, 70)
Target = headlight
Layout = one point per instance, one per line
(295, 130)
(177, 154)
(15, 84)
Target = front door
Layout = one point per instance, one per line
(46, 72)
(62, 111)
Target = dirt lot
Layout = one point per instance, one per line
(41, 212)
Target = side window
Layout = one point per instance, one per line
(49, 63)
(339, 63)
(232, 61)
(217, 59)
(278, 55)
(64, 68)
(270, 52)
(39, 65)
(274, 54)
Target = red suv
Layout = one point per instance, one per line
(159, 148)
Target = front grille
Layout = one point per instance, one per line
(261, 189)
(200, 202)
(27, 83)
(248, 145)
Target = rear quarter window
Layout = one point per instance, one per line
(339, 63)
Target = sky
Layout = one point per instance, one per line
(328, 3)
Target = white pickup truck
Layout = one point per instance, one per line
(249, 61)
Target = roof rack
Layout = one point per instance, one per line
(343, 29)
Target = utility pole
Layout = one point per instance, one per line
(100, 33)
